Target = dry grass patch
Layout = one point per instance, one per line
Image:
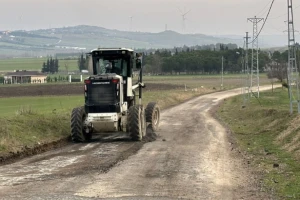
(292, 127)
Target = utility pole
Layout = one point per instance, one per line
(293, 76)
(246, 69)
(222, 76)
(255, 57)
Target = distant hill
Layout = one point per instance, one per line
(84, 38)
(91, 35)
(265, 41)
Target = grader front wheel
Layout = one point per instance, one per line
(153, 115)
(136, 122)
(77, 126)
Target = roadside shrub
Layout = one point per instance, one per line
(25, 110)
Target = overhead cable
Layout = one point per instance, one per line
(264, 22)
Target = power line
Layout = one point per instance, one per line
(271, 26)
(285, 13)
(264, 22)
(262, 11)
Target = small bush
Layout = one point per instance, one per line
(25, 110)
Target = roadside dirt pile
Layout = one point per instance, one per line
(150, 135)
(30, 151)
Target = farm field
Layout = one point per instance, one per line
(53, 96)
(209, 81)
(45, 104)
(33, 64)
(63, 97)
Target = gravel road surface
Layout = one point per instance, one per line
(192, 158)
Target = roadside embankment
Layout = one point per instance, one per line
(269, 137)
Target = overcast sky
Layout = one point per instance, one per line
(217, 17)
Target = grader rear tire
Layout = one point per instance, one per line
(77, 130)
(136, 122)
(153, 115)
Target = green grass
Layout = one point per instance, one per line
(30, 129)
(29, 121)
(45, 104)
(209, 81)
(257, 129)
(52, 104)
(33, 64)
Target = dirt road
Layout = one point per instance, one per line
(191, 159)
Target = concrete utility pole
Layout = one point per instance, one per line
(246, 71)
(222, 74)
(293, 75)
(255, 57)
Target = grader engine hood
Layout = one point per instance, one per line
(103, 93)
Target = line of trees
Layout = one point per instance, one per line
(50, 66)
(210, 47)
(193, 61)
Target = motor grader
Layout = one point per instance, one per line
(110, 97)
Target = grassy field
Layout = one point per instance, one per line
(210, 81)
(270, 136)
(10, 107)
(199, 83)
(33, 64)
(45, 104)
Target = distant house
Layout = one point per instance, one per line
(23, 76)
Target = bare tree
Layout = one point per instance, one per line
(278, 66)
